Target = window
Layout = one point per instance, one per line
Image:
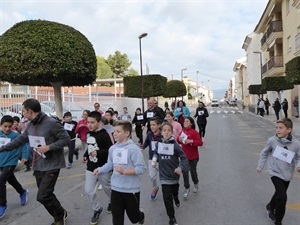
(289, 44)
(287, 6)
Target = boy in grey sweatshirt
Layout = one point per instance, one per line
(283, 153)
(126, 161)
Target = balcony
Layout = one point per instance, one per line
(274, 32)
(273, 67)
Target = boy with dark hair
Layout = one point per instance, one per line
(8, 163)
(127, 162)
(151, 140)
(98, 142)
(125, 115)
(138, 120)
(70, 126)
(283, 153)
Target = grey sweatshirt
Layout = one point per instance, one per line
(55, 136)
(135, 160)
(278, 167)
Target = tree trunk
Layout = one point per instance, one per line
(58, 99)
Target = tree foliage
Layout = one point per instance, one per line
(292, 70)
(103, 69)
(39, 52)
(175, 88)
(119, 63)
(45, 53)
(256, 89)
(154, 85)
(276, 84)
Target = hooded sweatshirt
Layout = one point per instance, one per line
(278, 167)
(10, 158)
(134, 160)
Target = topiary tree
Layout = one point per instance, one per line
(175, 88)
(292, 70)
(45, 53)
(256, 89)
(276, 84)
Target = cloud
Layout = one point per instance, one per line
(199, 35)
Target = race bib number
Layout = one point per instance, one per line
(200, 113)
(120, 156)
(140, 117)
(150, 114)
(69, 126)
(183, 136)
(35, 141)
(124, 117)
(4, 141)
(153, 145)
(165, 149)
(283, 154)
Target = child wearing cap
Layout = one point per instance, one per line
(70, 127)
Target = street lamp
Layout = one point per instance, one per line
(141, 65)
(260, 59)
(182, 73)
(197, 82)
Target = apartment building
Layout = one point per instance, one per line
(274, 41)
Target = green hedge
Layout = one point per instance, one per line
(277, 84)
(292, 70)
(175, 88)
(256, 89)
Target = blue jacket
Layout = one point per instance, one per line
(10, 158)
(185, 110)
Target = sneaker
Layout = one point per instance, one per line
(177, 202)
(96, 215)
(270, 212)
(108, 209)
(2, 211)
(100, 188)
(24, 197)
(154, 193)
(196, 188)
(173, 221)
(143, 220)
(69, 165)
(62, 221)
(186, 192)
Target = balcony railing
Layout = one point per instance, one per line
(274, 62)
(275, 26)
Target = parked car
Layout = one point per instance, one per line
(215, 103)
(16, 110)
(76, 110)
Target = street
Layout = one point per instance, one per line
(231, 191)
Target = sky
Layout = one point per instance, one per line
(196, 35)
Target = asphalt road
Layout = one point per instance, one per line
(231, 192)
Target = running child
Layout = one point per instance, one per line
(138, 120)
(172, 161)
(283, 154)
(151, 140)
(190, 141)
(8, 163)
(127, 162)
(98, 143)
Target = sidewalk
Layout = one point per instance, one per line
(272, 118)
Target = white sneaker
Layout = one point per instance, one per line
(100, 188)
(203, 139)
(196, 188)
(186, 193)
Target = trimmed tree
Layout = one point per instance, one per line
(154, 85)
(276, 84)
(256, 89)
(45, 53)
(292, 70)
(174, 89)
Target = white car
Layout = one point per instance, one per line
(215, 103)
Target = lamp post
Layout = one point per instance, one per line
(197, 82)
(260, 60)
(141, 65)
(182, 73)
